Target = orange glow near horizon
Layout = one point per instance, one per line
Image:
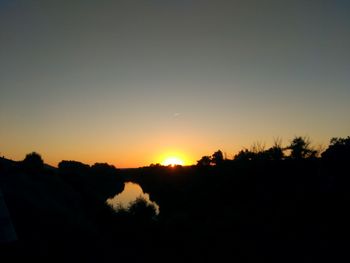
(172, 161)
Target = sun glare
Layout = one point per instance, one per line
(172, 161)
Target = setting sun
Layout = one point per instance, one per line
(173, 161)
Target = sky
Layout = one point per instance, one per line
(133, 82)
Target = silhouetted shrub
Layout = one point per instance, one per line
(301, 148)
(339, 149)
(204, 161)
(103, 169)
(142, 210)
(217, 158)
(33, 163)
(73, 168)
(244, 155)
(274, 153)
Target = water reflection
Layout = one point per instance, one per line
(130, 193)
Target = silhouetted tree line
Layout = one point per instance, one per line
(300, 148)
(283, 203)
(61, 215)
(216, 159)
(98, 181)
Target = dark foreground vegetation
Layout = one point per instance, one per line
(282, 204)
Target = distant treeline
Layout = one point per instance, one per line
(300, 148)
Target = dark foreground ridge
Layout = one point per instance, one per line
(262, 206)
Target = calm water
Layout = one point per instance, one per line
(130, 193)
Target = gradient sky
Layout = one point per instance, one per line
(131, 82)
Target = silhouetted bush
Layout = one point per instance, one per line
(244, 155)
(217, 158)
(33, 163)
(274, 153)
(339, 149)
(73, 168)
(142, 210)
(204, 161)
(301, 149)
(258, 153)
(103, 169)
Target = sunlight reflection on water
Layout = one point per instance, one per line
(130, 193)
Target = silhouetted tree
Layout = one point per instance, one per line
(74, 172)
(103, 169)
(142, 210)
(204, 161)
(256, 152)
(258, 148)
(274, 153)
(157, 165)
(73, 168)
(103, 181)
(244, 155)
(33, 163)
(217, 158)
(339, 149)
(301, 148)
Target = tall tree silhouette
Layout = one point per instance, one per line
(301, 148)
(217, 158)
